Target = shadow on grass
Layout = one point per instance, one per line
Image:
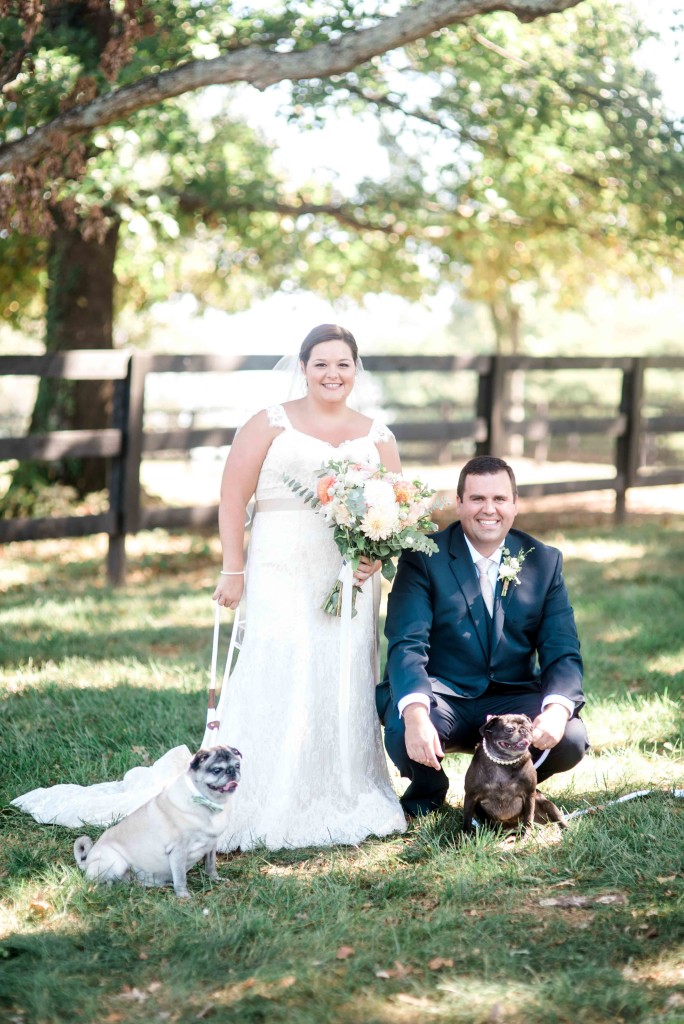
(198, 554)
(263, 943)
(40, 645)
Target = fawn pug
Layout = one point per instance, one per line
(501, 781)
(159, 842)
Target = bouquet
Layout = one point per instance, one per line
(373, 512)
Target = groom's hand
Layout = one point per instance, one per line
(422, 740)
(549, 726)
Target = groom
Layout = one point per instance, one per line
(463, 644)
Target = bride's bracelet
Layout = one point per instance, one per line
(241, 572)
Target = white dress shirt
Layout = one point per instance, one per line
(493, 573)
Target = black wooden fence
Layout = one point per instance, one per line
(486, 430)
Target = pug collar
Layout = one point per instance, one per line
(203, 801)
(500, 760)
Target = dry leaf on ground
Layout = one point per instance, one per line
(438, 962)
(133, 994)
(583, 901)
(39, 908)
(398, 971)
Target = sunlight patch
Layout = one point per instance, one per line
(86, 674)
(16, 574)
(644, 720)
(597, 779)
(605, 550)
(667, 971)
(618, 634)
(455, 997)
(40, 905)
(668, 664)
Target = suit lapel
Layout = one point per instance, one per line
(500, 602)
(461, 565)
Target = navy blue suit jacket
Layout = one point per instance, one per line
(442, 639)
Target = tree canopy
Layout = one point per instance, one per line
(537, 154)
(285, 41)
(529, 152)
(566, 169)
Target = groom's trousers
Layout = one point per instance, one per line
(458, 722)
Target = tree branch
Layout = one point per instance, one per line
(383, 100)
(12, 67)
(347, 214)
(262, 68)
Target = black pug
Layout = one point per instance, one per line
(501, 781)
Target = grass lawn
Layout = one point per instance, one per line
(585, 926)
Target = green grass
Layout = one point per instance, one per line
(585, 927)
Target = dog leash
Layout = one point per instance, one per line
(676, 793)
(540, 760)
(213, 721)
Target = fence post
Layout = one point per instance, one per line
(490, 407)
(124, 492)
(627, 448)
(116, 551)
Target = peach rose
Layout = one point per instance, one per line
(404, 491)
(322, 489)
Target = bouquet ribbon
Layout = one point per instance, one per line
(346, 578)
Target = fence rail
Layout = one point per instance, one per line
(126, 441)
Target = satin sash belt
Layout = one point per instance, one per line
(281, 505)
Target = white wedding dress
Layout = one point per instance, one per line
(281, 706)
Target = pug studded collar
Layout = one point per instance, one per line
(203, 801)
(500, 760)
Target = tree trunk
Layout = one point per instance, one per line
(79, 316)
(506, 320)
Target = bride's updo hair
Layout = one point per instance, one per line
(328, 332)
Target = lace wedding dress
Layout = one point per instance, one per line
(281, 705)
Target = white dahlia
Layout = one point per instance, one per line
(379, 492)
(380, 522)
(358, 474)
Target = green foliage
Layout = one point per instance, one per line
(577, 172)
(201, 207)
(527, 159)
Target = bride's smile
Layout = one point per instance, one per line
(331, 370)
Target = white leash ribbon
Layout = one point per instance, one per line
(676, 793)
(346, 578)
(212, 716)
(213, 719)
(540, 760)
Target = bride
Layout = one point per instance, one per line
(280, 706)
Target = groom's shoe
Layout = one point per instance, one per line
(418, 805)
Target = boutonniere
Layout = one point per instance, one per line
(509, 569)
